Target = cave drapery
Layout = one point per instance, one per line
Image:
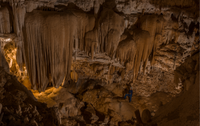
(48, 44)
(49, 36)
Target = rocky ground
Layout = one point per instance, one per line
(19, 107)
(97, 102)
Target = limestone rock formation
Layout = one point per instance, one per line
(183, 110)
(158, 34)
(53, 45)
(5, 20)
(19, 106)
(80, 57)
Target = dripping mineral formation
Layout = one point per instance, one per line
(72, 62)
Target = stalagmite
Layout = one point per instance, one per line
(48, 41)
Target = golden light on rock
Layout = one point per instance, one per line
(99, 62)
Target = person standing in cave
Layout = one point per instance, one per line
(130, 93)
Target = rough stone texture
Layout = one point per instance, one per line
(184, 109)
(93, 50)
(127, 33)
(18, 105)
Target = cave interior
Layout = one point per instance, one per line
(99, 62)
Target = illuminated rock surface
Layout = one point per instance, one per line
(80, 57)
(20, 107)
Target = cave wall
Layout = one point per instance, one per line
(18, 106)
(125, 35)
(97, 48)
(184, 109)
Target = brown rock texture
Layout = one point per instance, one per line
(125, 33)
(19, 106)
(80, 57)
(54, 45)
(184, 109)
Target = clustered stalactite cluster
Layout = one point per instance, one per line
(60, 32)
(47, 39)
(45, 31)
(141, 44)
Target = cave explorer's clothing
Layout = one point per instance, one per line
(129, 95)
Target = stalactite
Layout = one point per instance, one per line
(109, 28)
(91, 42)
(153, 24)
(144, 43)
(135, 50)
(97, 5)
(5, 26)
(126, 50)
(86, 24)
(48, 41)
(143, 49)
(19, 16)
